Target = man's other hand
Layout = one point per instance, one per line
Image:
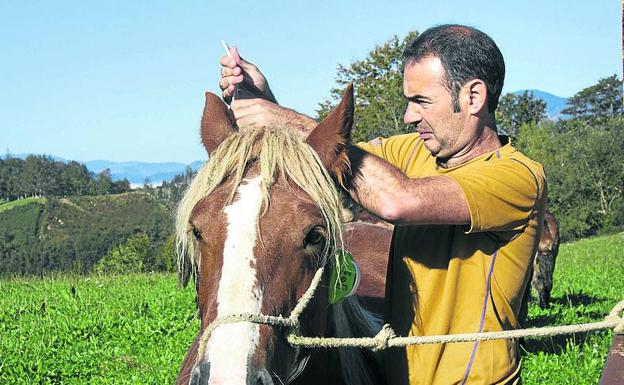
(236, 70)
(260, 113)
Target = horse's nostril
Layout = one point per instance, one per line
(264, 378)
(200, 374)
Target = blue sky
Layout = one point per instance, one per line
(121, 80)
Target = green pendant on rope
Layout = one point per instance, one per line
(344, 278)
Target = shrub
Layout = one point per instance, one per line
(129, 257)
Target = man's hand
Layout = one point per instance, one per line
(259, 113)
(236, 70)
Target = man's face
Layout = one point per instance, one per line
(430, 108)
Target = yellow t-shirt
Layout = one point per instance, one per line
(437, 273)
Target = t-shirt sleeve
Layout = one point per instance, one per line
(501, 194)
(395, 150)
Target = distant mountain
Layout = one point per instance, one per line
(138, 172)
(554, 104)
(135, 172)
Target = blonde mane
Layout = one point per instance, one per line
(277, 152)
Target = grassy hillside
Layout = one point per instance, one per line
(4, 206)
(71, 234)
(135, 329)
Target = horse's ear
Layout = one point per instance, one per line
(331, 138)
(217, 122)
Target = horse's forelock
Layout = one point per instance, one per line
(276, 151)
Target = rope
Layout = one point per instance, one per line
(386, 338)
(292, 322)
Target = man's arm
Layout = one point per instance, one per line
(376, 185)
(389, 194)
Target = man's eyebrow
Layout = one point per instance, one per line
(418, 97)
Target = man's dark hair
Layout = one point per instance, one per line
(466, 54)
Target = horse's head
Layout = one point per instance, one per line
(256, 223)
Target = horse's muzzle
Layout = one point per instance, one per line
(200, 375)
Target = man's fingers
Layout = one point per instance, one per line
(237, 61)
(226, 71)
(242, 108)
(253, 121)
(234, 60)
(227, 61)
(256, 113)
(228, 92)
(247, 122)
(249, 105)
(223, 84)
(230, 81)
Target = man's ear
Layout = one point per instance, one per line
(217, 122)
(476, 94)
(331, 138)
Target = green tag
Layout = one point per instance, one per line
(344, 278)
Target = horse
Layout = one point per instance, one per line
(256, 223)
(544, 262)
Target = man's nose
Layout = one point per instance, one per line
(412, 115)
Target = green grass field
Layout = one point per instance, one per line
(135, 329)
(588, 283)
(118, 330)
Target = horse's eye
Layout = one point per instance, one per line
(197, 234)
(315, 237)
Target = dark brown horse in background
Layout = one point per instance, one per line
(544, 262)
(257, 222)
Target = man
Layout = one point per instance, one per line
(467, 208)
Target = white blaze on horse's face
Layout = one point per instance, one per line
(231, 346)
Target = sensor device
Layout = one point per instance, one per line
(344, 278)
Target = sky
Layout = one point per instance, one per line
(125, 80)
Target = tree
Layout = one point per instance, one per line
(40, 175)
(598, 102)
(75, 179)
(103, 183)
(584, 172)
(515, 110)
(120, 187)
(378, 84)
(128, 257)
